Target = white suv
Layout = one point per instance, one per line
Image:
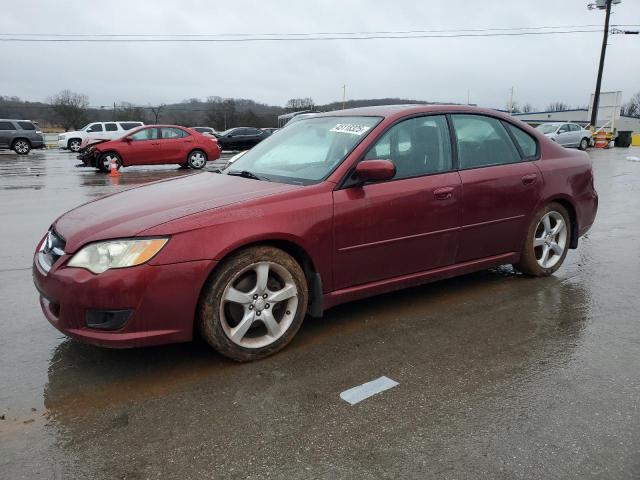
(95, 131)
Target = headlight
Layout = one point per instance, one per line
(101, 256)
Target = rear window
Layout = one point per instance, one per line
(525, 141)
(130, 125)
(27, 125)
(7, 126)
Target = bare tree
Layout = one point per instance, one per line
(157, 111)
(558, 107)
(70, 108)
(632, 107)
(128, 111)
(295, 104)
(527, 108)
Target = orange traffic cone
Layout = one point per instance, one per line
(114, 168)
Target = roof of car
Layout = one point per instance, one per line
(389, 110)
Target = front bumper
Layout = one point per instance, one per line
(162, 301)
(62, 143)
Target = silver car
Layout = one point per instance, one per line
(567, 134)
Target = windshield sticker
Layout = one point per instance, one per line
(352, 128)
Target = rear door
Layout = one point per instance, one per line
(7, 133)
(143, 149)
(110, 130)
(175, 144)
(500, 186)
(405, 225)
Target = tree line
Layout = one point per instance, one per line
(69, 110)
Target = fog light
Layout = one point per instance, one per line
(107, 319)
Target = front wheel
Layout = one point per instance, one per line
(21, 147)
(254, 303)
(584, 144)
(547, 242)
(105, 160)
(197, 159)
(74, 144)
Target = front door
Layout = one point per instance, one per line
(144, 147)
(499, 188)
(408, 224)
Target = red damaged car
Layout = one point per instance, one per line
(336, 207)
(152, 145)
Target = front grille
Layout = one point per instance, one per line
(51, 250)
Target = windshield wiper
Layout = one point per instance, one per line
(246, 174)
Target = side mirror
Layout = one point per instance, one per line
(375, 170)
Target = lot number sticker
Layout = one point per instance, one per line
(352, 128)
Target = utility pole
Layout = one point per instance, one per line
(511, 102)
(114, 111)
(344, 95)
(596, 96)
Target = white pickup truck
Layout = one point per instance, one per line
(95, 131)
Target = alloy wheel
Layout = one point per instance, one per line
(21, 146)
(550, 239)
(259, 305)
(74, 145)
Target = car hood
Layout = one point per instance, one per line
(128, 213)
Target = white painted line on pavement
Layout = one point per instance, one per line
(366, 390)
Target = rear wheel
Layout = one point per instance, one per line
(197, 159)
(547, 242)
(21, 146)
(584, 144)
(104, 162)
(254, 303)
(74, 144)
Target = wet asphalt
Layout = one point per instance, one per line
(500, 376)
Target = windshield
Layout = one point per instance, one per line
(84, 128)
(307, 151)
(547, 127)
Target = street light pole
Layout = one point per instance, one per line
(596, 97)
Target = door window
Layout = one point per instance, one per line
(563, 128)
(526, 142)
(27, 125)
(7, 126)
(574, 128)
(129, 125)
(418, 146)
(96, 127)
(146, 134)
(110, 127)
(172, 132)
(482, 141)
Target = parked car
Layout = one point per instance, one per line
(153, 145)
(270, 131)
(204, 130)
(241, 138)
(567, 134)
(333, 208)
(95, 131)
(20, 135)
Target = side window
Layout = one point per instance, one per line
(7, 126)
(110, 127)
(574, 127)
(172, 132)
(482, 141)
(418, 146)
(146, 134)
(27, 125)
(526, 142)
(96, 127)
(563, 128)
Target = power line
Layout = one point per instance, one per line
(284, 39)
(293, 34)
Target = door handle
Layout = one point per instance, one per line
(529, 179)
(443, 193)
(155, 143)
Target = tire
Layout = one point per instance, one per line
(241, 319)
(543, 235)
(21, 146)
(104, 162)
(584, 144)
(197, 159)
(74, 144)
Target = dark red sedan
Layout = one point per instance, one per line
(334, 208)
(153, 145)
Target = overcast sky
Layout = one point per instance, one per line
(541, 69)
